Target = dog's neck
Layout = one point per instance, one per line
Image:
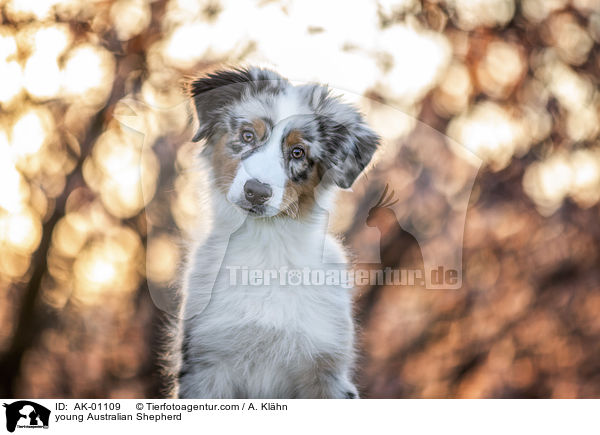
(305, 233)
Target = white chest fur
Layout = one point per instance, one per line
(266, 340)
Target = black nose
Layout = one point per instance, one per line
(256, 192)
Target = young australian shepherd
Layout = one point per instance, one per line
(275, 153)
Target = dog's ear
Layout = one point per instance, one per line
(214, 92)
(348, 142)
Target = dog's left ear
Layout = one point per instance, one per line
(348, 142)
(213, 93)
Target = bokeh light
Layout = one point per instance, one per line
(100, 188)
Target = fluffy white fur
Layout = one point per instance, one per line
(270, 341)
(267, 341)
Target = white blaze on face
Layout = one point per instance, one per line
(265, 165)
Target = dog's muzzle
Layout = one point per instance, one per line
(257, 193)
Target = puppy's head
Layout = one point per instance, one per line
(271, 143)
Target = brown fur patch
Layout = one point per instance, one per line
(260, 128)
(224, 165)
(299, 199)
(294, 137)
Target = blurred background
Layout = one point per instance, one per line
(96, 190)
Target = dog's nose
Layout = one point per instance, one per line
(256, 192)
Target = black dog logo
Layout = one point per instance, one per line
(26, 414)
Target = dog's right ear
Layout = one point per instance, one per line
(213, 93)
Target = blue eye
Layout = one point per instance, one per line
(247, 136)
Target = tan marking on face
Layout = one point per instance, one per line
(225, 166)
(294, 137)
(299, 199)
(260, 128)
